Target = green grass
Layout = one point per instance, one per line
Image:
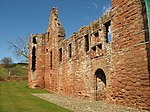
(15, 69)
(3, 71)
(17, 97)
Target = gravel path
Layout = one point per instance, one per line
(77, 105)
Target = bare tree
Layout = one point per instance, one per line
(20, 47)
(7, 61)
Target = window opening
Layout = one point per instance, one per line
(86, 43)
(99, 46)
(93, 51)
(33, 58)
(60, 54)
(70, 50)
(108, 32)
(46, 50)
(147, 3)
(96, 34)
(94, 48)
(51, 60)
(34, 40)
(48, 36)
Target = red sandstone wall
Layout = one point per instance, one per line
(75, 75)
(75, 72)
(124, 64)
(36, 77)
(40, 65)
(56, 34)
(129, 84)
(71, 76)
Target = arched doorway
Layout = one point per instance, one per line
(100, 84)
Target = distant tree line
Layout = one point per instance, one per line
(8, 68)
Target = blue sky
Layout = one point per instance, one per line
(19, 18)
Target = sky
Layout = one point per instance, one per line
(20, 18)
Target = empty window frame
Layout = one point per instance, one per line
(46, 50)
(99, 50)
(47, 36)
(34, 40)
(86, 42)
(33, 58)
(99, 46)
(60, 54)
(108, 32)
(70, 50)
(51, 56)
(96, 34)
(94, 48)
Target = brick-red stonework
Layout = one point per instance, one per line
(88, 66)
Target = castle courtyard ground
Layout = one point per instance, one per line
(78, 105)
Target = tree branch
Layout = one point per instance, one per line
(18, 50)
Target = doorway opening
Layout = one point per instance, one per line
(100, 78)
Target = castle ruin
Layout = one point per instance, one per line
(88, 65)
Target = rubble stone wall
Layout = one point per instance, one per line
(130, 81)
(95, 62)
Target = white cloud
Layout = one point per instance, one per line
(106, 8)
(95, 5)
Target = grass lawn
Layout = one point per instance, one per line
(15, 69)
(16, 97)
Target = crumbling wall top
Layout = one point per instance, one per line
(93, 25)
(55, 24)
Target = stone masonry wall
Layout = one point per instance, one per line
(37, 57)
(74, 75)
(56, 34)
(90, 65)
(129, 84)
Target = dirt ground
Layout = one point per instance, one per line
(77, 105)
